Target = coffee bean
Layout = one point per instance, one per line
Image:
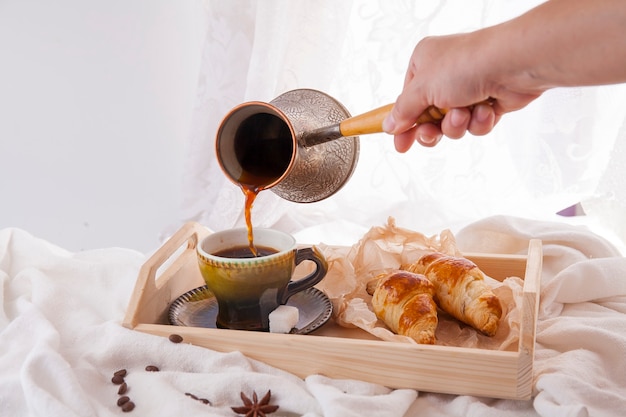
(123, 389)
(117, 379)
(128, 406)
(121, 372)
(123, 400)
(152, 368)
(175, 338)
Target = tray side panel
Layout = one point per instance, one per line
(530, 311)
(499, 266)
(396, 365)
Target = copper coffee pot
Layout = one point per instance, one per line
(303, 145)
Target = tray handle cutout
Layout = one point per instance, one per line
(154, 287)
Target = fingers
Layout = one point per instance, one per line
(478, 121)
(404, 141)
(427, 135)
(402, 116)
(483, 120)
(456, 122)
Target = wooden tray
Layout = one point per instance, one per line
(349, 353)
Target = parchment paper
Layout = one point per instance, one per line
(388, 247)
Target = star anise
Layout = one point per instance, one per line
(255, 408)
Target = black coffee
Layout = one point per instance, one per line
(263, 148)
(244, 251)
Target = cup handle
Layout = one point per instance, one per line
(321, 267)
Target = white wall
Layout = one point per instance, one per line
(95, 105)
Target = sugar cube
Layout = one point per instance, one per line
(283, 319)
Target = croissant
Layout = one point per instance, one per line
(461, 290)
(404, 302)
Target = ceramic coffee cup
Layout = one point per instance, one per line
(248, 289)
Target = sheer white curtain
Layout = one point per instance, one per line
(536, 162)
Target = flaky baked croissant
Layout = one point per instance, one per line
(404, 302)
(461, 290)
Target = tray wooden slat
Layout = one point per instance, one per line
(349, 353)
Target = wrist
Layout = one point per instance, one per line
(507, 63)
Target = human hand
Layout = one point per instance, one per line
(454, 80)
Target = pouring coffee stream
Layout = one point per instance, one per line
(303, 145)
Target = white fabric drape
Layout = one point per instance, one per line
(537, 161)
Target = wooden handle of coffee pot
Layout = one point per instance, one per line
(372, 121)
